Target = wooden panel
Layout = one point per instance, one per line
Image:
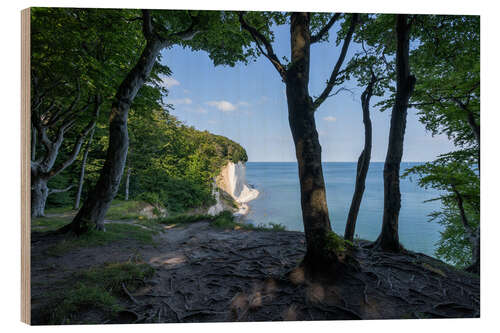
(25, 168)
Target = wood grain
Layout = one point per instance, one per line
(25, 167)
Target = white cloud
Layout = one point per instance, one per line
(223, 106)
(180, 101)
(245, 104)
(169, 82)
(330, 119)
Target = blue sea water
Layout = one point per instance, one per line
(279, 201)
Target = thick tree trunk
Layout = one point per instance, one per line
(363, 164)
(39, 194)
(82, 170)
(307, 147)
(388, 239)
(127, 183)
(92, 213)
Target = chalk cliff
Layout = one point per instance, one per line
(232, 180)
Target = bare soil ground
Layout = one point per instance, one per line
(203, 274)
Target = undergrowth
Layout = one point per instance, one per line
(98, 288)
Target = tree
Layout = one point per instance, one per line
(82, 169)
(57, 119)
(301, 108)
(454, 176)
(160, 29)
(363, 161)
(371, 71)
(447, 97)
(70, 82)
(388, 239)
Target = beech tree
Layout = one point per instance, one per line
(372, 72)
(59, 120)
(447, 99)
(301, 111)
(160, 29)
(70, 83)
(388, 239)
(363, 161)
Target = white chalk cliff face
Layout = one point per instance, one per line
(232, 179)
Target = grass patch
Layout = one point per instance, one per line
(98, 288)
(226, 220)
(185, 218)
(59, 210)
(125, 210)
(50, 223)
(114, 232)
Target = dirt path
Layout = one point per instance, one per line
(205, 274)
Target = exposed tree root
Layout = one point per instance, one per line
(207, 275)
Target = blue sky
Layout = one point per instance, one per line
(247, 104)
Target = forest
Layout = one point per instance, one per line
(121, 189)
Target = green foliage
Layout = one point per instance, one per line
(452, 174)
(447, 66)
(335, 243)
(174, 165)
(225, 220)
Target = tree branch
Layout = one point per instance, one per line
(260, 38)
(316, 38)
(79, 142)
(465, 221)
(51, 190)
(189, 33)
(333, 77)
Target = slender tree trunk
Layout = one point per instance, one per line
(127, 183)
(307, 147)
(92, 213)
(82, 170)
(39, 194)
(363, 164)
(472, 235)
(33, 142)
(388, 239)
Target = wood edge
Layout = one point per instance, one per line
(25, 166)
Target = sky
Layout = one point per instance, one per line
(247, 103)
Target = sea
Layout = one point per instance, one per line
(279, 201)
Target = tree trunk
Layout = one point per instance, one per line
(307, 147)
(363, 164)
(475, 267)
(33, 142)
(39, 194)
(127, 183)
(472, 235)
(388, 239)
(82, 170)
(92, 213)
